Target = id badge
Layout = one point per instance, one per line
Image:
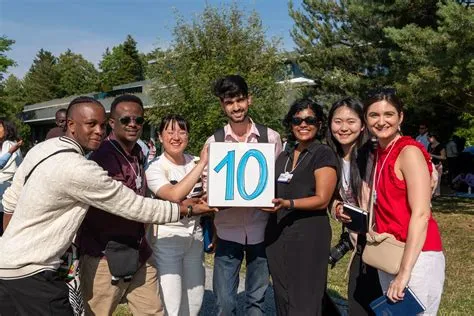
(285, 177)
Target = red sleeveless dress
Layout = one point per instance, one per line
(392, 211)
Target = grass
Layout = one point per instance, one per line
(455, 217)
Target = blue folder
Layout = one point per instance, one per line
(410, 305)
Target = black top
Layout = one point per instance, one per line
(303, 183)
(436, 151)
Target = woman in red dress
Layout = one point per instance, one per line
(402, 204)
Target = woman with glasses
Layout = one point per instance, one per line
(298, 234)
(402, 193)
(348, 137)
(178, 247)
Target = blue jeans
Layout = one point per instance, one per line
(227, 261)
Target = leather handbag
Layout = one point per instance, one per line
(382, 251)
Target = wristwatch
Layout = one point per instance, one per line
(190, 211)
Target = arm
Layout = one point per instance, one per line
(411, 166)
(179, 191)
(326, 178)
(441, 156)
(4, 159)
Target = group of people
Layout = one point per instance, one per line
(148, 252)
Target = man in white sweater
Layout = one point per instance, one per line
(44, 212)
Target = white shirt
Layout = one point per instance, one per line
(162, 171)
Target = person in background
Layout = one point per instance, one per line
(10, 157)
(298, 234)
(402, 203)
(348, 137)
(178, 247)
(423, 135)
(438, 155)
(60, 120)
(452, 155)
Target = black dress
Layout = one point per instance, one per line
(298, 242)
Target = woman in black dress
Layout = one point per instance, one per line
(298, 233)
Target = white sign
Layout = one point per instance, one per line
(241, 174)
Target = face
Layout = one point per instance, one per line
(2, 133)
(87, 125)
(305, 125)
(236, 109)
(422, 129)
(383, 120)
(346, 125)
(61, 119)
(127, 122)
(174, 139)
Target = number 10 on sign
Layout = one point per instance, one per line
(241, 174)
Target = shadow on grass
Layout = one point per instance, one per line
(453, 204)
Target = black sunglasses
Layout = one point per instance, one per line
(125, 120)
(310, 120)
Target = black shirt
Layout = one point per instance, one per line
(303, 182)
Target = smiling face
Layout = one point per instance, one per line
(305, 125)
(127, 122)
(346, 126)
(174, 139)
(87, 125)
(236, 109)
(383, 120)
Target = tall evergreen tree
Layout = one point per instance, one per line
(41, 83)
(5, 62)
(12, 101)
(122, 65)
(216, 43)
(77, 75)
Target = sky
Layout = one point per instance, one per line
(89, 27)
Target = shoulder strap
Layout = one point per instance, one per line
(57, 152)
(372, 198)
(219, 135)
(263, 131)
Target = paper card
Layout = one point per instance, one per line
(241, 174)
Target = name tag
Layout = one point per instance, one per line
(285, 177)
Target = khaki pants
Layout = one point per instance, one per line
(101, 297)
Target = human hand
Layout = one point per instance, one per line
(204, 155)
(278, 204)
(213, 245)
(396, 289)
(340, 216)
(202, 207)
(16, 146)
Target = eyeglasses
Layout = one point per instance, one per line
(310, 120)
(125, 120)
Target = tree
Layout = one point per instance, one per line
(216, 43)
(5, 62)
(342, 43)
(41, 83)
(12, 102)
(122, 65)
(76, 74)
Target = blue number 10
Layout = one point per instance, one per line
(229, 160)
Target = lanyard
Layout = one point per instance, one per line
(381, 168)
(138, 178)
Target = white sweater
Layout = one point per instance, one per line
(49, 209)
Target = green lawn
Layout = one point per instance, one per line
(455, 217)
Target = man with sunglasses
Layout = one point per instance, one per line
(240, 231)
(124, 160)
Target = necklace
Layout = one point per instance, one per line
(138, 178)
(381, 168)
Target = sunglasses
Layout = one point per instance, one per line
(125, 120)
(310, 120)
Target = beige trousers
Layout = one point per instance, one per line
(102, 298)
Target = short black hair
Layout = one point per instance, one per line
(169, 119)
(125, 98)
(230, 87)
(79, 100)
(62, 110)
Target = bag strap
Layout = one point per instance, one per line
(219, 135)
(372, 199)
(55, 153)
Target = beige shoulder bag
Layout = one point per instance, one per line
(382, 251)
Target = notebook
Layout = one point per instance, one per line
(359, 223)
(410, 305)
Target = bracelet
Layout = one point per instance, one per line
(292, 205)
(190, 211)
